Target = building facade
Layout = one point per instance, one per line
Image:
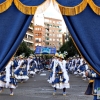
(29, 36)
(50, 34)
(53, 34)
(39, 36)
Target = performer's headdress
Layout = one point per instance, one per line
(61, 56)
(20, 56)
(56, 55)
(31, 56)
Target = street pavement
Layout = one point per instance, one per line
(37, 88)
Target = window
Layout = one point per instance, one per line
(53, 39)
(57, 39)
(30, 37)
(60, 30)
(39, 44)
(50, 34)
(53, 35)
(53, 21)
(50, 21)
(53, 30)
(50, 39)
(38, 39)
(36, 44)
(36, 34)
(47, 34)
(46, 20)
(47, 38)
(25, 36)
(46, 30)
(58, 44)
(47, 43)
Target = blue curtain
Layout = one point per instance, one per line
(13, 27)
(83, 27)
(85, 30)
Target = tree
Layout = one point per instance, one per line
(69, 47)
(24, 49)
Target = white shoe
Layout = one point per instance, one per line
(83, 76)
(84, 79)
(64, 94)
(88, 78)
(76, 75)
(12, 94)
(54, 93)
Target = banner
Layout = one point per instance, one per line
(45, 50)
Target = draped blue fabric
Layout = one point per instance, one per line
(83, 27)
(85, 30)
(13, 27)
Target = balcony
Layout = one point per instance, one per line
(47, 35)
(31, 28)
(38, 41)
(30, 33)
(28, 40)
(32, 22)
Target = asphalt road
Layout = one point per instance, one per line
(37, 88)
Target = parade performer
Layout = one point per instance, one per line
(21, 70)
(15, 62)
(50, 70)
(61, 78)
(38, 64)
(32, 66)
(2, 81)
(83, 68)
(30, 58)
(95, 90)
(76, 72)
(54, 59)
(8, 79)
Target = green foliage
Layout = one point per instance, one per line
(69, 47)
(24, 49)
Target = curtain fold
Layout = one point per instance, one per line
(84, 29)
(13, 27)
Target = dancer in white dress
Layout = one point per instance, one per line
(8, 78)
(60, 75)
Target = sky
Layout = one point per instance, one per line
(52, 13)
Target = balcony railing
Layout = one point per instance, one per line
(31, 28)
(29, 33)
(28, 40)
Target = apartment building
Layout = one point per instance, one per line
(50, 34)
(39, 36)
(29, 36)
(53, 34)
